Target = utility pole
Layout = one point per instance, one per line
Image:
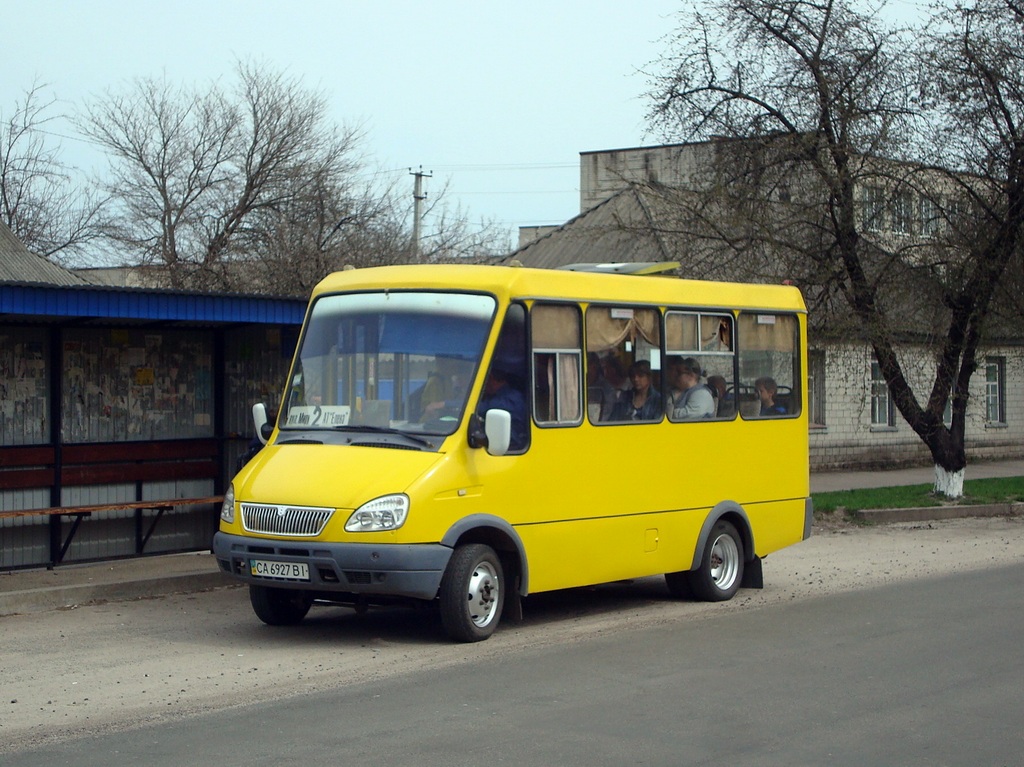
(418, 197)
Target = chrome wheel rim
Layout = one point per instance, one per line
(482, 596)
(725, 562)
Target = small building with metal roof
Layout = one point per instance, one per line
(111, 394)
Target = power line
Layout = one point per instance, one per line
(484, 167)
(508, 166)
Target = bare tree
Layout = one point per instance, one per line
(39, 200)
(974, 99)
(324, 229)
(193, 170)
(251, 188)
(819, 99)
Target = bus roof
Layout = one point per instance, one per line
(508, 282)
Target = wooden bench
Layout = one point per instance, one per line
(103, 464)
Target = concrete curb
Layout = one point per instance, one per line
(929, 513)
(72, 595)
(69, 586)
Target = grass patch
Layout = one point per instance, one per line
(976, 491)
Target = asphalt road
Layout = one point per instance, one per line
(918, 673)
(891, 647)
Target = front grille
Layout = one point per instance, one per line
(284, 520)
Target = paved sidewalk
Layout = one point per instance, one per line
(854, 480)
(67, 586)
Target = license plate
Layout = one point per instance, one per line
(289, 571)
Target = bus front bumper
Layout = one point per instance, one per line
(370, 569)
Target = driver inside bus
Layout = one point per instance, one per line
(499, 394)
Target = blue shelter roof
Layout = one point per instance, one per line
(37, 302)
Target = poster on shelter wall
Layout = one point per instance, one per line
(24, 386)
(139, 385)
(256, 367)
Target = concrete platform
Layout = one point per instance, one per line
(67, 586)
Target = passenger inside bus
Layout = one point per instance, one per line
(642, 402)
(615, 375)
(767, 389)
(688, 397)
(601, 394)
(725, 403)
(443, 391)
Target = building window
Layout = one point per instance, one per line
(930, 217)
(957, 214)
(882, 411)
(995, 390)
(816, 387)
(872, 212)
(903, 213)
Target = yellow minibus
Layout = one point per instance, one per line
(465, 436)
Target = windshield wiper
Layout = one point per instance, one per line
(386, 430)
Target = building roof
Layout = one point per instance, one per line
(19, 264)
(99, 304)
(621, 228)
(33, 289)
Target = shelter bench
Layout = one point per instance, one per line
(105, 464)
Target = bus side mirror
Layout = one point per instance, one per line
(494, 432)
(259, 419)
(498, 428)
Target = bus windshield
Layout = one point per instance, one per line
(388, 360)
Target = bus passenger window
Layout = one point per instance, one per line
(623, 364)
(700, 366)
(769, 365)
(557, 365)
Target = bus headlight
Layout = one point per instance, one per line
(385, 513)
(227, 509)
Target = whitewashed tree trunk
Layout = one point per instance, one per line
(949, 483)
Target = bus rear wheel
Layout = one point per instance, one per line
(721, 566)
(472, 593)
(279, 607)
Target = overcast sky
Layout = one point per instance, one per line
(498, 98)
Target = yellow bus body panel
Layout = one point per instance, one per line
(590, 503)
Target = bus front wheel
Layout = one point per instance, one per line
(721, 566)
(472, 593)
(279, 607)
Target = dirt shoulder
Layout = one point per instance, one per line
(120, 665)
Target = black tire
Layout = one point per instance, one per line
(472, 593)
(721, 565)
(279, 607)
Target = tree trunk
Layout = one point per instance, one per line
(949, 483)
